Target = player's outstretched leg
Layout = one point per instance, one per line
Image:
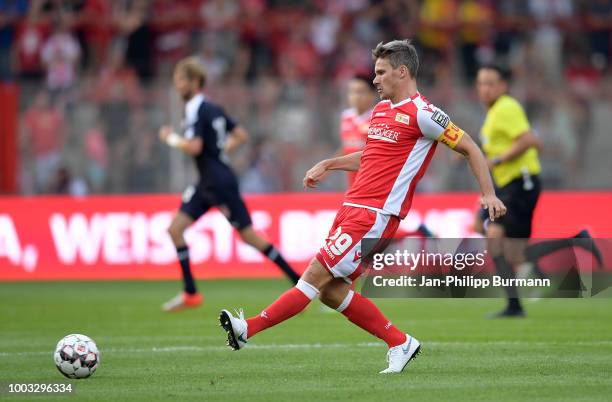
(582, 239)
(362, 312)
(249, 236)
(190, 297)
(290, 303)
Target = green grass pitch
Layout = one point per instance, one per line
(562, 351)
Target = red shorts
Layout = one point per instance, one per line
(341, 252)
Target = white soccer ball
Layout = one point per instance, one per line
(76, 356)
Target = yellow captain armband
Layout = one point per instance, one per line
(451, 135)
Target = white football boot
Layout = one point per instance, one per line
(399, 356)
(236, 328)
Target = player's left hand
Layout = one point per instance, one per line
(315, 175)
(494, 205)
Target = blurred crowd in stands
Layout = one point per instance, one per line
(95, 82)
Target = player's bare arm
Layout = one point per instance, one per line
(523, 143)
(350, 162)
(237, 137)
(192, 147)
(478, 163)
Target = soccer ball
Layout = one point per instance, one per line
(76, 356)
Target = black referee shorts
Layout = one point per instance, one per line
(197, 200)
(520, 197)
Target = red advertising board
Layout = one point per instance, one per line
(124, 237)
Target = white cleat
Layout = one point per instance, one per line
(236, 328)
(399, 356)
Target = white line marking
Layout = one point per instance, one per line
(174, 349)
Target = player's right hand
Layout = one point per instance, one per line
(315, 174)
(164, 132)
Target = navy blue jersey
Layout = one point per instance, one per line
(206, 120)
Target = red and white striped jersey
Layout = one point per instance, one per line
(402, 139)
(354, 130)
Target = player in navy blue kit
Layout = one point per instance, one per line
(209, 136)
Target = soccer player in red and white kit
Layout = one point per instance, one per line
(403, 134)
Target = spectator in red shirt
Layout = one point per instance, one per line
(32, 33)
(118, 93)
(94, 18)
(43, 137)
(172, 22)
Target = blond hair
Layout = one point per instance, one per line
(193, 70)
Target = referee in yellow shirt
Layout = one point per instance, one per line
(511, 148)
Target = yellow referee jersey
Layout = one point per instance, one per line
(505, 122)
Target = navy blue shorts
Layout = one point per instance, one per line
(197, 200)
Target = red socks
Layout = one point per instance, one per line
(359, 310)
(363, 313)
(286, 306)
